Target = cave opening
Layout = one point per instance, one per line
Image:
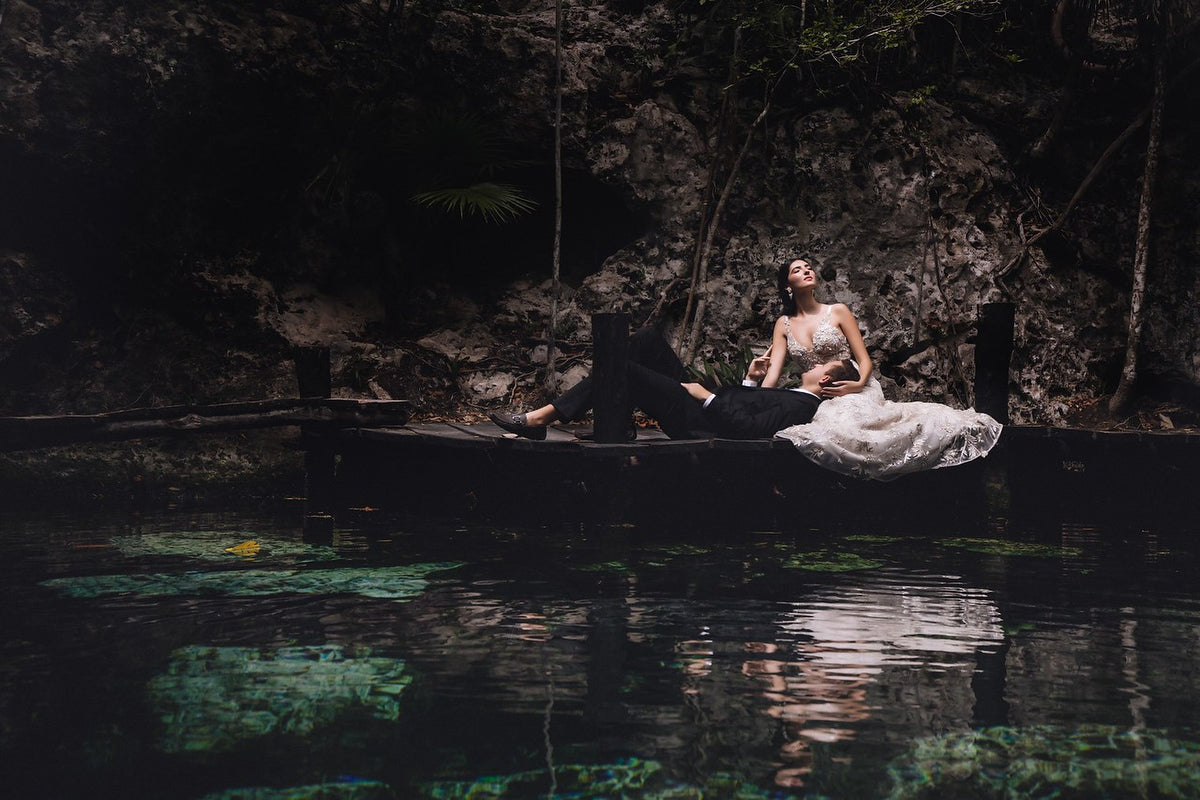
(481, 258)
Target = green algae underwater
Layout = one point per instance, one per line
(224, 655)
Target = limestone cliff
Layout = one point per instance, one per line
(192, 188)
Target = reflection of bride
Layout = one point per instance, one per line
(857, 431)
(896, 632)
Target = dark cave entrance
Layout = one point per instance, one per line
(481, 258)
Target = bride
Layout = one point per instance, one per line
(856, 431)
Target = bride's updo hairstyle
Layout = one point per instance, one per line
(781, 284)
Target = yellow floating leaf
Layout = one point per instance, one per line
(244, 549)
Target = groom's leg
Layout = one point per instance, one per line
(575, 402)
(648, 348)
(649, 355)
(677, 413)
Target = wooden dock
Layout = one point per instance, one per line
(1034, 471)
(367, 453)
(364, 453)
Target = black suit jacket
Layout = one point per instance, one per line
(742, 412)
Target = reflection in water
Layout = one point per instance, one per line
(547, 656)
(838, 657)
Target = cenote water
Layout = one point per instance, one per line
(164, 656)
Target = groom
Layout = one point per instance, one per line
(656, 380)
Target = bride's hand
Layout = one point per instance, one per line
(841, 388)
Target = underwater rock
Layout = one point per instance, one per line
(830, 561)
(1004, 547)
(388, 583)
(633, 777)
(215, 545)
(213, 698)
(348, 790)
(1044, 761)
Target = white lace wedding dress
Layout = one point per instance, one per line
(869, 436)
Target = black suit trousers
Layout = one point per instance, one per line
(655, 375)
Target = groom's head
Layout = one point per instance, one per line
(825, 374)
(844, 370)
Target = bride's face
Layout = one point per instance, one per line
(801, 275)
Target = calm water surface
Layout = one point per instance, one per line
(410, 658)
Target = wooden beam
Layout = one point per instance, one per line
(22, 433)
(993, 352)
(610, 392)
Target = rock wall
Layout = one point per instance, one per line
(910, 204)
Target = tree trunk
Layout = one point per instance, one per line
(702, 274)
(551, 371)
(728, 101)
(1141, 257)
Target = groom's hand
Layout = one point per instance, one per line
(697, 391)
(758, 368)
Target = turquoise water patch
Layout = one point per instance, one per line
(356, 790)
(391, 583)
(1043, 761)
(630, 778)
(215, 545)
(214, 698)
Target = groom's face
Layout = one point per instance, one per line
(818, 376)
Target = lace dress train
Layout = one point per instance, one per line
(868, 436)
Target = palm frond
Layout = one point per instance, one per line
(494, 202)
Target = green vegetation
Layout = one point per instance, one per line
(1043, 762)
(454, 160)
(214, 698)
(351, 790)
(629, 778)
(389, 583)
(829, 561)
(723, 372)
(1004, 547)
(215, 545)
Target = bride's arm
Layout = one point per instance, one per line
(844, 317)
(778, 352)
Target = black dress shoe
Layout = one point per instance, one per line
(515, 423)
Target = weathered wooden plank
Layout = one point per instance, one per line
(562, 439)
(749, 445)
(25, 432)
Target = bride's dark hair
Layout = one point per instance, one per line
(781, 284)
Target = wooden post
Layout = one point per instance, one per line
(610, 393)
(993, 351)
(314, 379)
(313, 376)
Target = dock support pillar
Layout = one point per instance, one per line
(993, 352)
(314, 379)
(610, 395)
